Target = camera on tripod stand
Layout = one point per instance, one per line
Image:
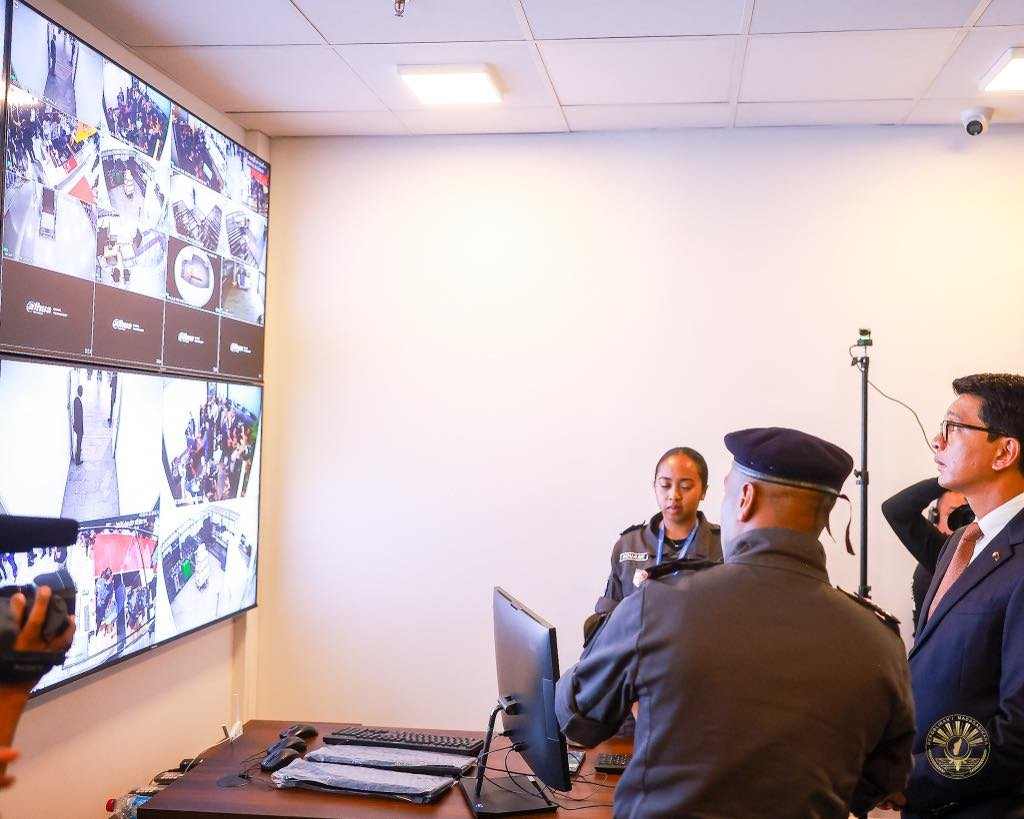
(19, 534)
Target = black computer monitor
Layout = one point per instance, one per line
(526, 655)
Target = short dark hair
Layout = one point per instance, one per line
(1002, 403)
(693, 455)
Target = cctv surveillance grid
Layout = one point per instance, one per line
(134, 232)
(161, 472)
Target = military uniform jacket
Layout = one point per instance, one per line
(636, 549)
(762, 691)
(968, 659)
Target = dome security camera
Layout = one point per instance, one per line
(976, 120)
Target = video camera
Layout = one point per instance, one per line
(21, 534)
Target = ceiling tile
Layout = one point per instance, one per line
(947, 111)
(848, 65)
(321, 123)
(425, 21)
(850, 112)
(484, 121)
(976, 55)
(1003, 13)
(197, 22)
(265, 78)
(645, 70)
(516, 64)
(645, 117)
(862, 15)
(571, 19)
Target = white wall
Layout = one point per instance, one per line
(480, 345)
(101, 736)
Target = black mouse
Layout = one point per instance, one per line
(295, 743)
(278, 759)
(300, 729)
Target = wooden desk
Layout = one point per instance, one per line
(196, 795)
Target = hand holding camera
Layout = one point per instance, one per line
(37, 622)
(47, 624)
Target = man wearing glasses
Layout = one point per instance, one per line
(967, 663)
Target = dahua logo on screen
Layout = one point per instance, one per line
(37, 308)
(123, 326)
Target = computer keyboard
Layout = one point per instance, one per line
(413, 740)
(612, 763)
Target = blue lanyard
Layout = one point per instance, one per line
(682, 549)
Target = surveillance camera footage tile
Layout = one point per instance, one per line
(160, 552)
(108, 181)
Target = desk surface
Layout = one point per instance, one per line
(197, 795)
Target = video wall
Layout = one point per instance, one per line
(132, 290)
(133, 231)
(163, 475)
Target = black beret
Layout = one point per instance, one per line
(790, 457)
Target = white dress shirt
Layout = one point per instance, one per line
(995, 521)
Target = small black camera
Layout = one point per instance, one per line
(20, 534)
(960, 517)
(62, 605)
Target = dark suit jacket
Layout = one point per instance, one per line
(968, 658)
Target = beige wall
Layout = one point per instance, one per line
(112, 731)
(480, 345)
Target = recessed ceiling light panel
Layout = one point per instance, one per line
(452, 84)
(1007, 75)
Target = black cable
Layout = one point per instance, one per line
(511, 747)
(855, 361)
(586, 781)
(515, 793)
(927, 442)
(513, 779)
(546, 791)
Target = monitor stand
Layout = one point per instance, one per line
(505, 796)
(502, 795)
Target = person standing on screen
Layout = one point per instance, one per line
(967, 663)
(924, 538)
(119, 613)
(680, 529)
(761, 689)
(78, 426)
(113, 396)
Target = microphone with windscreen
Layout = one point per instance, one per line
(21, 534)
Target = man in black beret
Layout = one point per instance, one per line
(760, 689)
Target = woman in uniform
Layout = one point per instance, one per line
(678, 531)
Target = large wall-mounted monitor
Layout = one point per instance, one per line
(163, 474)
(133, 231)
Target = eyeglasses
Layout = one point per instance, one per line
(945, 424)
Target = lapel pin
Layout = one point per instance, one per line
(995, 555)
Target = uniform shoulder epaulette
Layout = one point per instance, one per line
(632, 528)
(878, 611)
(685, 564)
